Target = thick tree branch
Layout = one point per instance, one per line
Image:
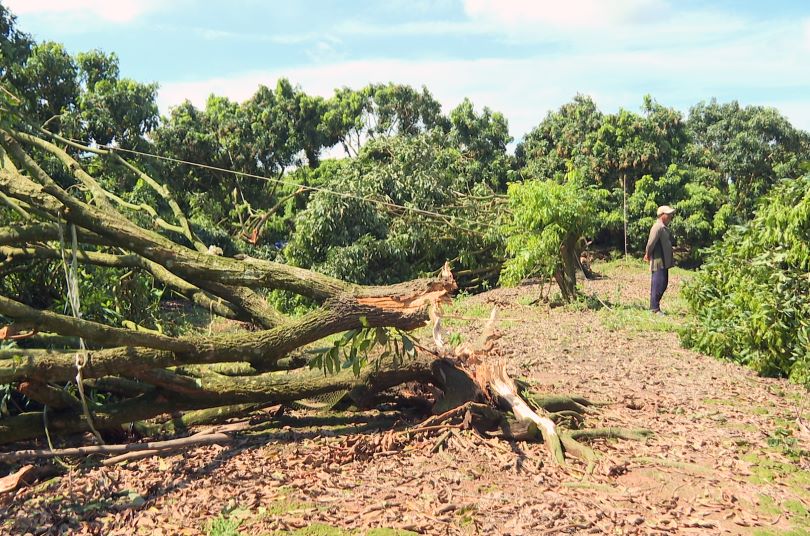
(44, 232)
(92, 331)
(214, 304)
(187, 263)
(183, 226)
(100, 195)
(404, 306)
(264, 388)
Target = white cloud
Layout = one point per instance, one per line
(568, 14)
(806, 36)
(798, 112)
(211, 34)
(114, 11)
(433, 27)
(607, 25)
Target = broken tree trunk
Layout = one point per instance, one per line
(146, 374)
(108, 236)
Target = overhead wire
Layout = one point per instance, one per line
(446, 218)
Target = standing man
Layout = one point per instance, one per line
(659, 255)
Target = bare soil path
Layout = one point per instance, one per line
(727, 455)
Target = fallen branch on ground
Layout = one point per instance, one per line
(156, 446)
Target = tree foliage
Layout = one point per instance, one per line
(703, 211)
(712, 166)
(750, 297)
(546, 230)
(750, 147)
(365, 236)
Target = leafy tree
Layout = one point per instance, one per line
(15, 46)
(563, 140)
(482, 139)
(610, 152)
(546, 230)
(367, 238)
(703, 212)
(271, 116)
(355, 116)
(112, 109)
(48, 81)
(750, 297)
(267, 135)
(751, 147)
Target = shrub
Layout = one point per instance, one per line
(545, 232)
(750, 299)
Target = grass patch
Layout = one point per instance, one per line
(527, 300)
(463, 306)
(794, 509)
(466, 516)
(316, 529)
(633, 265)
(741, 427)
(390, 532)
(620, 265)
(719, 402)
(638, 319)
(283, 506)
(777, 532)
(223, 526)
(768, 471)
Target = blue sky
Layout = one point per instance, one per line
(520, 57)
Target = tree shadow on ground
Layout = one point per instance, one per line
(69, 513)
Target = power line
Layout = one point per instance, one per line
(446, 218)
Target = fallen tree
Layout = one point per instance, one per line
(147, 374)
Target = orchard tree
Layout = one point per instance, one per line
(609, 152)
(563, 140)
(48, 82)
(380, 110)
(749, 298)
(546, 232)
(365, 236)
(268, 135)
(703, 211)
(111, 109)
(15, 46)
(751, 147)
(482, 139)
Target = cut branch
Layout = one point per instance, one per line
(173, 444)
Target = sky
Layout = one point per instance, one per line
(522, 58)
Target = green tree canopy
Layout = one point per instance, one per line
(356, 116)
(751, 147)
(546, 230)
(361, 239)
(750, 297)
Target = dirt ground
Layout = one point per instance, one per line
(727, 454)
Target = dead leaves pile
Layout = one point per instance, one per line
(692, 477)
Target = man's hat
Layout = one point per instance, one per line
(665, 209)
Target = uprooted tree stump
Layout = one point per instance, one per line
(147, 374)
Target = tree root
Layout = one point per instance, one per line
(693, 468)
(559, 403)
(610, 433)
